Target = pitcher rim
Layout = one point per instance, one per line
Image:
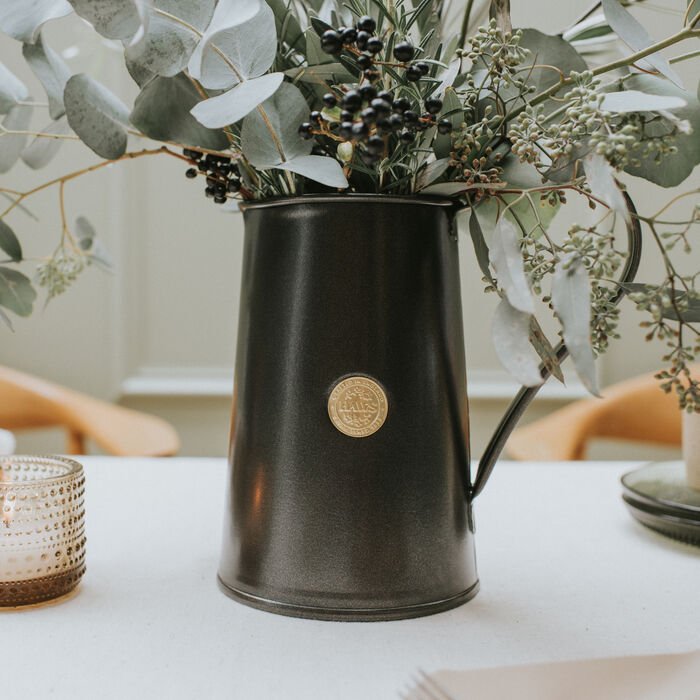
(347, 198)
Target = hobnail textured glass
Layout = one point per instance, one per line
(42, 528)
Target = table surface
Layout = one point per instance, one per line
(565, 572)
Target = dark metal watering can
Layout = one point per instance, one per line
(350, 493)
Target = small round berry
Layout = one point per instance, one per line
(445, 126)
(315, 117)
(364, 61)
(423, 67)
(386, 96)
(209, 191)
(396, 121)
(331, 42)
(347, 116)
(330, 100)
(202, 166)
(413, 74)
(375, 145)
(352, 101)
(190, 153)
(407, 137)
(349, 36)
(410, 117)
(191, 173)
(360, 130)
(362, 39)
(346, 129)
(383, 126)
(375, 45)
(368, 115)
(306, 131)
(368, 92)
(427, 117)
(367, 24)
(220, 199)
(404, 52)
(220, 190)
(433, 105)
(382, 108)
(212, 181)
(371, 75)
(234, 186)
(401, 105)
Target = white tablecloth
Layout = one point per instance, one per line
(565, 574)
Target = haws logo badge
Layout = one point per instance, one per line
(358, 406)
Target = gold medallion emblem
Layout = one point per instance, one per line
(358, 406)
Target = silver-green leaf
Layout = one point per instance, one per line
(42, 149)
(571, 299)
(52, 71)
(162, 112)
(636, 101)
(23, 19)
(231, 106)
(507, 260)
(510, 332)
(173, 30)
(270, 134)
(240, 43)
(9, 243)
(113, 19)
(636, 37)
(16, 292)
(601, 180)
(323, 169)
(97, 116)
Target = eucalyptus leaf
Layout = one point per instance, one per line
(23, 19)
(52, 71)
(16, 292)
(432, 172)
(113, 19)
(693, 11)
(481, 250)
(231, 106)
(636, 101)
(238, 44)
(550, 57)
(97, 116)
(320, 75)
(687, 308)
(636, 37)
(315, 55)
(571, 299)
(9, 243)
(162, 112)
(12, 145)
(270, 134)
(12, 90)
(321, 169)
(507, 260)
(675, 167)
(173, 30)
(601, 180)
(447, 189)
(510, 332)
(42, 148)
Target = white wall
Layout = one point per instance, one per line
(159, 334)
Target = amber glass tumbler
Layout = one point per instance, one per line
(42, 528)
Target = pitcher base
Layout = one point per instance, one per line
(349, 614)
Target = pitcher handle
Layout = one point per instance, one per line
(527, 394)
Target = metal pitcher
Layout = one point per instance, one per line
(350, 494)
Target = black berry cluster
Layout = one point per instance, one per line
(222, 175)
(362, 42)
(372, 118)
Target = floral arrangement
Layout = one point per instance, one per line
(281, 98)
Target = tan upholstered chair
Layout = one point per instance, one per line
(28, 402)
(634, 410)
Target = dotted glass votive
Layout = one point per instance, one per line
(42, 528)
